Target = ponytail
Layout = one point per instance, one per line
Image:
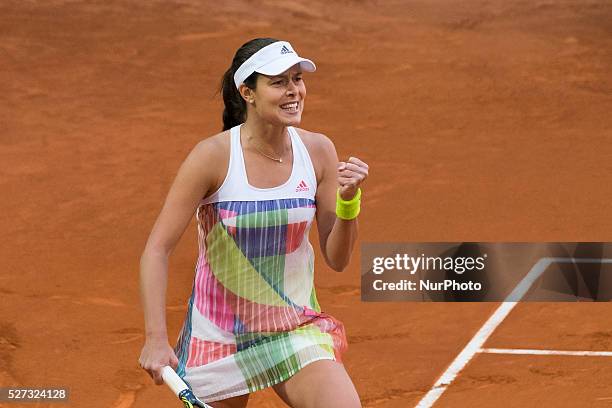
(235, 106)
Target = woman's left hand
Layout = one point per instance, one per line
(350, 176)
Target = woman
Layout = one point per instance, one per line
(253, 319)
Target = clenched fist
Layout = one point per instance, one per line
(351, 174)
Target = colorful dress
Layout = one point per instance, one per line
(253, 318)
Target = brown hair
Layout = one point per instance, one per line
(235, 107)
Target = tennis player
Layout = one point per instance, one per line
(253, 318)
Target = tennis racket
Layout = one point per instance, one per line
(181, 390)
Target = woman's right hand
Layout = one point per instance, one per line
(156, 354)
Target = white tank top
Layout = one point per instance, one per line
(302, 182)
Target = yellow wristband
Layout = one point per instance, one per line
(348, 210)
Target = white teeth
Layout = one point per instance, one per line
(291, 107)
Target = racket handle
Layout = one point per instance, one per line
(173, 381)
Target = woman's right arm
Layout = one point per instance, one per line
(195, 178)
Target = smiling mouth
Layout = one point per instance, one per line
(291, 107)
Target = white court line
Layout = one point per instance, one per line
(547, 352)
(580, 260)
(475, 345)
(482, 335)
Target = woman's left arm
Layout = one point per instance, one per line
(337, 236)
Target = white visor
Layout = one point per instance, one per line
(272, 59)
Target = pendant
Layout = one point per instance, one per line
(280, 160)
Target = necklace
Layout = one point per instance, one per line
(250, 139)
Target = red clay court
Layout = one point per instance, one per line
(480, 120)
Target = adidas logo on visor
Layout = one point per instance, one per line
(285, 50)
(302, 187)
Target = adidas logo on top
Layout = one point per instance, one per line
(302, 187)
(285, 50)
